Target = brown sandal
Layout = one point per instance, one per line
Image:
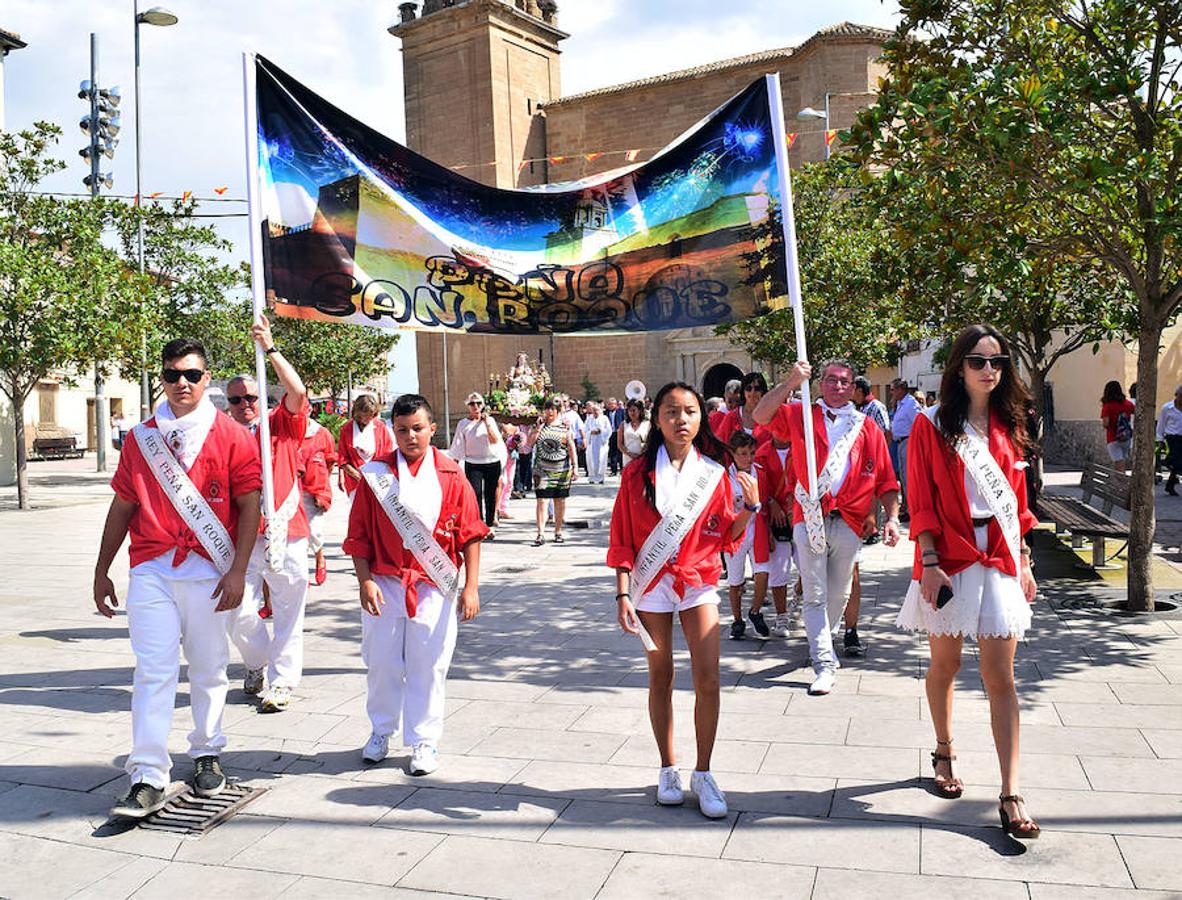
(953, 788)
(1024, 829)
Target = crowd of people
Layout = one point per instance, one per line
(708, 489)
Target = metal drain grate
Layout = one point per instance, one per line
(187, 813)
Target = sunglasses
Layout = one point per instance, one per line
(249, 398)
(977, 363)
(474, 403)
(172, 376)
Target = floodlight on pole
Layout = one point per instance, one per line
(810, 113)
(161, 17)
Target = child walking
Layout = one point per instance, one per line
(742, 450)
(413, 519)
(673, 516)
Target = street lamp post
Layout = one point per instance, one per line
(810, 113)
(159, 16)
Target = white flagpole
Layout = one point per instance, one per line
(788, 218)
(257, 286)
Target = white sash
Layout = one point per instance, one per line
(814, 521)
(686, 506)
(184, 497)
(997, 491)
(416, 536)
(275, 530)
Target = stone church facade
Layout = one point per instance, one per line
(483, 95)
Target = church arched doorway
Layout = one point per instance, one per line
(716, 378)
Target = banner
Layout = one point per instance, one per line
(359, 229)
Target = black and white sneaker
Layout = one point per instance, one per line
(139, 802)
(852, 644)
(758, 623)
(738, 629)
(208, 780)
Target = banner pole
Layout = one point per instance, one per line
(788, 219)
(446, 394)
(257, 285)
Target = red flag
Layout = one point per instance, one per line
(557, 159)
(221, 190)
(591, 157)
(155, 194)
(830, 136)
(185, 196)
(791, 139)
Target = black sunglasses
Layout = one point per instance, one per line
(172, 376)
(977, 363)
(249, 398)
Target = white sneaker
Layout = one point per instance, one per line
(782, 626)
(823, 683)
(277, 699)
(424, 760)
(711, 800)
(252, 684)
(669, 790)
(377, 748)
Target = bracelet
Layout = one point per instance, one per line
(620, 597)
(934, 565)
(272, 349)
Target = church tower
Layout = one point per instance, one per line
(475, 73)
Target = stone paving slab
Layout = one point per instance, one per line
(547, 782)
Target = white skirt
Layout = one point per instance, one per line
(985, 603)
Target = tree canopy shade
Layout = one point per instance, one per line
(66, 299)
(1040, 131)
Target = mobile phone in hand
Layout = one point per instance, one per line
(944, 597)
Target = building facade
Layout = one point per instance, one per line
(483, 96)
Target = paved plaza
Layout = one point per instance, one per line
(546, 787)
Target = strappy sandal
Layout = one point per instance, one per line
(953, 788)
(539, 540)
(1025, 828)
(559, 539)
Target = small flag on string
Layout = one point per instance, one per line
(155, 194)
(631, 155)
(791, 139)
(555, 160)
(221, 190)
(830, 137)
(521, 165)
(591, 157)
(185, 196)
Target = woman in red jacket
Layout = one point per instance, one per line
(972, 577)
(672, 518)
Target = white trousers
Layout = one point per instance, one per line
(826, 579)
(596, 457)
(315, 522)
(281, 652)
(168, 609)
(407, 662)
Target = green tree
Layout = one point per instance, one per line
(1069, 109)
(65, 297)
(843, 252)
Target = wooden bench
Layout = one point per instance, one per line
(1090, 516)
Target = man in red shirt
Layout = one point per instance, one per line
(187, 490)
(318, 454)
(283, 567)
(853, 467)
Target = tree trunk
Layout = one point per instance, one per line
(22, 462)
(1034, 474)
(1143, 520)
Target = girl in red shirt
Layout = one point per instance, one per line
(965, 553)
(364, 438)
(1118, 435)
(754, 386)
(652, 487)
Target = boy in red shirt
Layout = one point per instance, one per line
(414, 516)
(187, 490)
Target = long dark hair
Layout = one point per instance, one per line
(1008, 401)
(704, 441)
(637, 405)
(1113, 393)
(750, 379)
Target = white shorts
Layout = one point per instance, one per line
(1118, 450)
(779, 564)
(736, 563)
(661, 598)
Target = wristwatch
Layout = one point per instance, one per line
(271, 349)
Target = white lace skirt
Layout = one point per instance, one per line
(985, 603)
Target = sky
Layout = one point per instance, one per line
(191, 73)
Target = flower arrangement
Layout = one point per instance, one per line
(520, 393)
